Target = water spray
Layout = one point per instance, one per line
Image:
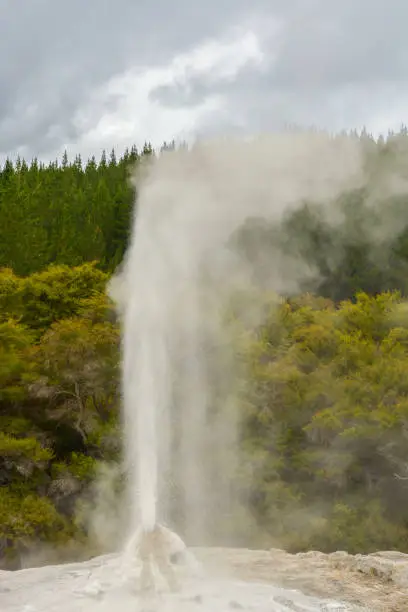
(189, 205)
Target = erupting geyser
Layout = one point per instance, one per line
(177, 272)
(180, 377)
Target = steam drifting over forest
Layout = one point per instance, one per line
(322, 394)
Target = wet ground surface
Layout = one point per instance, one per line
(100, 585)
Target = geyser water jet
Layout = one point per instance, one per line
(177, 274)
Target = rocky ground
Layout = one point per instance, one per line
(376, 583)
(233, 579)
(109, 583)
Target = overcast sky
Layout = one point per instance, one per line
(92, 74)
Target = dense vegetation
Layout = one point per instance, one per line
(58, 399)
(325, 400)
(326, 413)
(66, 213)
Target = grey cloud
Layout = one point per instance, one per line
(55, 54)
(58, 52)
(336, 64)
(349, 42)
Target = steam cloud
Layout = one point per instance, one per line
(179, 373)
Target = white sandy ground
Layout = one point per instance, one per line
(104, 585)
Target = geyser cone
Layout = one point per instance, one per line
(158, 552)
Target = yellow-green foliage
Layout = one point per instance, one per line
(14, 342)
(327, 398)
(59, 358)
(30, 518)
(81, 467)
(55, 293)
(359, 527)
(322, 394)
(19, 448)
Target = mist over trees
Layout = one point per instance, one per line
(325, 400)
